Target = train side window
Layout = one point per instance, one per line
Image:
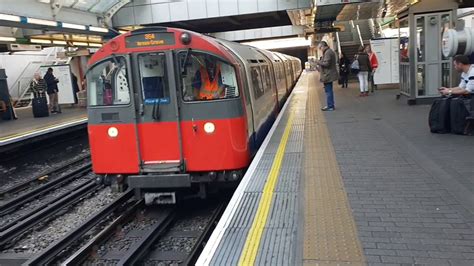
(205, 77)
(107, 83)
(153, 78)
(256, 81)
(267, 84)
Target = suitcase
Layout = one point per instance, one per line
(40, 107)
(459, 110)
(439, 116)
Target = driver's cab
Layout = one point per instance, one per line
(206, 77)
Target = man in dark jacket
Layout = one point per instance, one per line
(75, 87)
(328, 73)
(52, 83)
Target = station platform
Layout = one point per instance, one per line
(365, 184)
(27, 127)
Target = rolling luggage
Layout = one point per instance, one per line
(40, 107)
(459, 110)
(439, 116)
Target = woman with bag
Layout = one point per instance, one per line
(363, 63)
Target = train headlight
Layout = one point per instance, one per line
(209, 127)
(113, 132)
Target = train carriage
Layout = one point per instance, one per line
(162, 121)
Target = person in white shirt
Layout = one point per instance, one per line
(466, 86)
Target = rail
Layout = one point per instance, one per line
(47, 256)
(16, 202)
(41, 178)
(19, 228)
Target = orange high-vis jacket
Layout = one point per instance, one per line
(209, 89)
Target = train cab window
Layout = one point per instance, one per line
(107, 83)
(205, 77)
(153, 78)
(256, 81)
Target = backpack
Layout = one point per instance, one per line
(355, 68)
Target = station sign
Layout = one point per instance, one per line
(149, 39)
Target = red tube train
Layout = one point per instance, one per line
(172, 110)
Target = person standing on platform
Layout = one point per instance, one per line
(38, 86)
(52, 83)
(75, 87)
(364, 68)
(344, 65)
(374, 63)
(328, 73)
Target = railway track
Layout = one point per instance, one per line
(38, 183)
(123, 232)
(19, 213)
(136, 236)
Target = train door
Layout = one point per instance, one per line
(111, 125)
(158, 131)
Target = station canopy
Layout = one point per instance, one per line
(94, 6)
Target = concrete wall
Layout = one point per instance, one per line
(16, 63)
(159, 11)
(252, 34)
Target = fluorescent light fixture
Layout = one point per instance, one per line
(59, 42)
(7, 39)
(42, 22)
(98, 29)
(40, 41)
(280, 43)
(73, 26)
(80, 43)
(91, 44)
(10, 18)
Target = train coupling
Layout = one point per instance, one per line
(160, 198)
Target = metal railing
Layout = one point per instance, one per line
(405, 85)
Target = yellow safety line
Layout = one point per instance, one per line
(249, 253)
(40, 128)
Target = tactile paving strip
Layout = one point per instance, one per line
(330, 234)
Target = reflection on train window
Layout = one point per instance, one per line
(107, 83)
(205, 77)
(153, 78)
(256, 81)
(266, 78)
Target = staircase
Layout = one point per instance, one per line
(20, 89)
(349, 38)
(350, 50)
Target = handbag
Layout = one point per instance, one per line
(355, 68)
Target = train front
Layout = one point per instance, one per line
(166, 114)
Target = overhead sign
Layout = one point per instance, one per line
(327, 29)
(81, 52)
(149, 39)
(24, 47)
(336, 2)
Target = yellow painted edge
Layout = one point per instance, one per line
(40, 128)
(249, 252)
